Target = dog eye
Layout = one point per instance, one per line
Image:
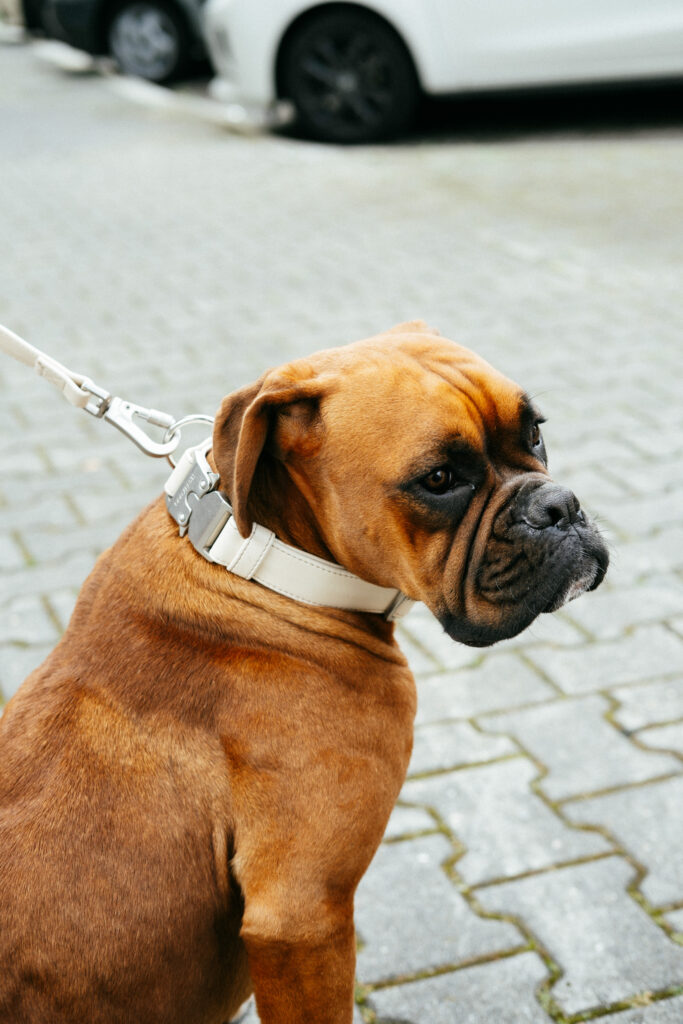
(536, 435)
(439, 480)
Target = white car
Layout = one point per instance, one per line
(355, 72)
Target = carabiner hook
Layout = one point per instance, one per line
(120, 414)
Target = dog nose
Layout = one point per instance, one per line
(552, 505)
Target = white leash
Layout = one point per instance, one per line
(201, 511)
(81, 392)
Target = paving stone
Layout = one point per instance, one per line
(649, 652)
(647, 475)
(581, 751)
(47, 545)
(35, 580)
(661, 553)
(437, 647)
(607, 946)
(11, 556)
(24, 620)
(501, 992)
(675, 919)
(649, 704)
(505, 828)
(405, 821)
(501, 681)
(419, 659)
(667, 1011)
(61, 604)
(453, 744)
(664, 737)
(646, 820)
(15, 664)
(406, 893)
(638, 517)
(35, 510)
(610, 612)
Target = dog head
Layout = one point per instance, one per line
(420, 467)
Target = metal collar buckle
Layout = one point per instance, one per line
(197, 508)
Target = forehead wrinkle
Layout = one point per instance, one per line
(469, 395)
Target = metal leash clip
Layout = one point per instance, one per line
(120, 413)
(81, 392)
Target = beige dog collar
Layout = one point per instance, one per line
(205, 515)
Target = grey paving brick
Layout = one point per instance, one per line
(644, 476)
(47, 545)
(61, 605)
(580, 750)
(11, 555)
(675, 919)
(649, 704)
(661, 553)
(505, 828)
(649, 652)
(500, 992)
(606, 944)
(501, 681)
(406, 892)
(449, 745)
(405, 821)
(248, 1015)
(439, 651)
(610, 612)
(38, 510)
(668, 1011)
(39, 579)
(639, 517)
(15, 664)
(24, 620)
(557, 630)
(419, 659)
(646, 820)
(664, 737)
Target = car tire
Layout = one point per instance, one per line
(148, 39)
(349, 77)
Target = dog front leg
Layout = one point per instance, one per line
(304, 979)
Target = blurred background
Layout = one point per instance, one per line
(268, 181)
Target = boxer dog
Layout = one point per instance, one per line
(195, 780)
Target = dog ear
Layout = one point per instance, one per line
(279, 412)
(414, 327)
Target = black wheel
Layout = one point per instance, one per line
(147, 38)
(349, 77)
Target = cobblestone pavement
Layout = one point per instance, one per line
(532, 870)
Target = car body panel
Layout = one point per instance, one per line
(461, 45)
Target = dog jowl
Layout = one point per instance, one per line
(195, 780)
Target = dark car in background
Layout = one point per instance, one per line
(159, 40)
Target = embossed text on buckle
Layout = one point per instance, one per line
(199, 481)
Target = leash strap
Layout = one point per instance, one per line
(206, 516)
(80, 391)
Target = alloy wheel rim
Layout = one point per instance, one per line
(144, 41)
(346, 79)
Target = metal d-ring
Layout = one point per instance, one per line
(178, 425)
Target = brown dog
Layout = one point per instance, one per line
(195, 780)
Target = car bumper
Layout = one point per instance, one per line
(74, 22)
(250, 114)
(243, 57)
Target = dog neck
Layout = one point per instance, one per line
(289, 569)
